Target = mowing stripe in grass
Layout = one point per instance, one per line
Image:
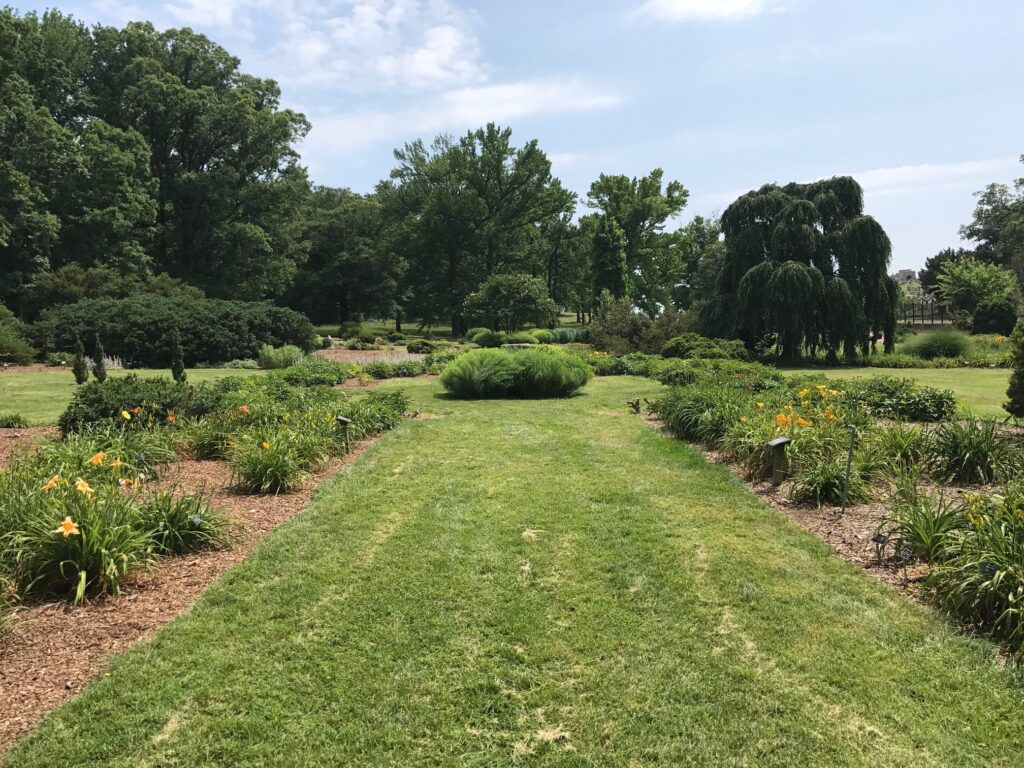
(542, 582)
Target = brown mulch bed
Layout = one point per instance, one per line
(21, 440)
(392, 355)
(50, 650)
(365, 383)
(33, 368)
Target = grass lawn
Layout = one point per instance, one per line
(542, 583)
(983, 390)
(40, 396)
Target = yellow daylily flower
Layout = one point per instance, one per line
(116, 463)
(126, 416)
(265, 445)
(98, 458)
(51, 483)
(760, 405)
(69, 528)
(83, 487)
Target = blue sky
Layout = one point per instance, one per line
(920, 100)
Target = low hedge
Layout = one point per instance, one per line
(135, 402)
(138, 330)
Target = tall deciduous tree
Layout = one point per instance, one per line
(641, 207)
(806, 268)
(609, 257)
(349, 270)
(997, 228)
(508, 302)
(461, 211)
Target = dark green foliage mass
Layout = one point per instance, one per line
(139, 329)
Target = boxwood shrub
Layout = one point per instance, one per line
(138, 330)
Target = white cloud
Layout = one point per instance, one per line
(887, 181)
(705, 10)
(456, 110)
(360, 45)
(205, 13)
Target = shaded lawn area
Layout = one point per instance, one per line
(542, 583)
(41, 396)
(983, 390)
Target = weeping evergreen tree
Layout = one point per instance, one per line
(804, 269)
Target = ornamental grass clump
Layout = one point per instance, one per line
(280, 357)
(979, 578)
(182, 523)
(13, 421)
(935, 344)
(270, 461)
(480, 374)
(540, 373)
(975, 452)
(76, 540)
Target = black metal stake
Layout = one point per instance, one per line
(849, 465)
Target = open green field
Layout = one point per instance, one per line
(40, 396)
(542, 583)
(981, 390)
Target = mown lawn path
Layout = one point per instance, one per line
(542, 583)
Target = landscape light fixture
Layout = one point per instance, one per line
(344, 422)
(778, 446)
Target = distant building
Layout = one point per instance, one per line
(905, 277)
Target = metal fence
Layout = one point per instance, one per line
(924, 312)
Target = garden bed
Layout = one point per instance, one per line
(50, 650)
(21, 439)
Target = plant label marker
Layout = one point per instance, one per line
(778, 446)
(344, 422)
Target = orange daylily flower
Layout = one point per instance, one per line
(98, 458)
(170, 415)
(51, 483)
(243, 409)
(69, 528)
(801, 421)
(265, 445)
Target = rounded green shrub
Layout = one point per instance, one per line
(472, 332)
(420, 347)
(944, 343)
(544, 336)
(522, 337)
(694, 345)
(489, 339)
